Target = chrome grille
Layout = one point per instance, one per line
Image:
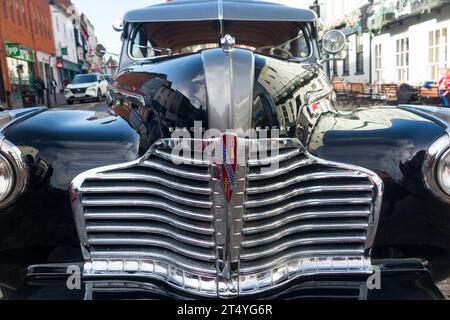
(156, 219)
(304, 208)
(150, 209)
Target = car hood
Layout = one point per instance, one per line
(81, 85)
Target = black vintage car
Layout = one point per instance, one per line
(297, 199)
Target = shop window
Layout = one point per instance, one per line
(437, 52)
(346, 63)
(378, 66)
(359, 55)
(402, 60)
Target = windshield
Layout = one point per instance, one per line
(79, 79)
(288, 40)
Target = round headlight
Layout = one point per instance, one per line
(443, 172)
(6, 178)
(13, 173)
(436, 169)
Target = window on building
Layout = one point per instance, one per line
(19, 13)
(57, 23)
(11, 9)
(402, 60)
(24, 14)
(5, 9)
(359, 54)
(40, 23)
(437, 52)
(346, 62)
(335, 69)
(378, 68)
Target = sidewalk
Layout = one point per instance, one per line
(60, 100)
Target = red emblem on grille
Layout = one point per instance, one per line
(229, 164)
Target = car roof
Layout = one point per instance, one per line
(204, 10)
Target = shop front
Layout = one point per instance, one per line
(46, 68)
(67, 70)
(20, 63)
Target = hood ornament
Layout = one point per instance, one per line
(227, 43)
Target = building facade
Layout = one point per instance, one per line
(351, 17)
(410, 40)
(63, 16)
(111, 67)
(93, 62)
(26, 49)
(386, 38)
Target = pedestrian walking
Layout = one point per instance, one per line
(40, 90)
(444, 87)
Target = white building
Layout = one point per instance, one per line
(349, 16)
(63, 15)
(91, 43)
(390, 41)
(411, 41)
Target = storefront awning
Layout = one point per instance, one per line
(17, 51)
(64, 64)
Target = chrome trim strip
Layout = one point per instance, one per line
(272, 250)
(149, 203)
(304, 228)
(154, 179)
(302, 178)
(149, 191)
(280, 171)
(269, 160)
(105, 228)
(305, 203)
(176, 172)
(11, 117)
(175, 247)
(142, 256)
(229, 79)
(206, 286)
(307, 190)
(283, 261)
(297, 216)
(163, 217)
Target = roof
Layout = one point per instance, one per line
(204, 10)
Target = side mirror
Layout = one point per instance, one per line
(100, 51)
(118, 25)
(333, 41)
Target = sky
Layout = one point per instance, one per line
(103, 13)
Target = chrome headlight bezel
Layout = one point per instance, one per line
(434, 160)
(14, 157)
(7, 178)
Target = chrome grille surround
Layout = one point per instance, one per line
(152, 219)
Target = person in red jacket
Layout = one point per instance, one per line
(444, 87)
